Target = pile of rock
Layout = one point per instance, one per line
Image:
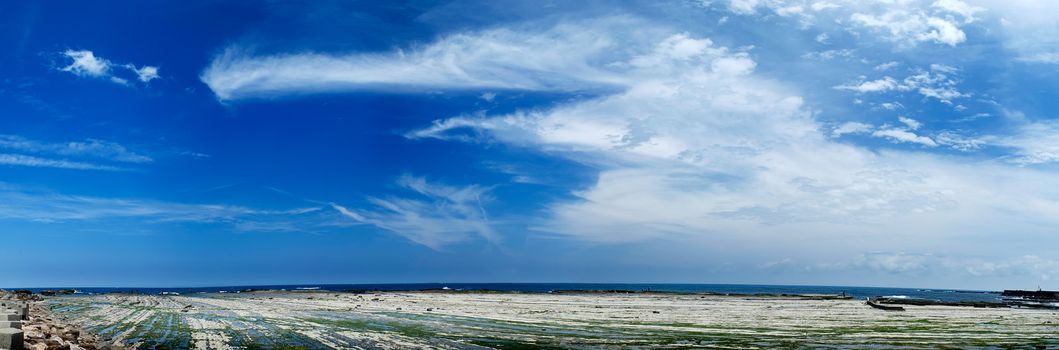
(27, 324)
(44, 332)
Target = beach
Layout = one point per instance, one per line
(574, 320)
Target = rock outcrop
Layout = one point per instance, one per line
(40, 330)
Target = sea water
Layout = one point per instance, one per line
(855, 292)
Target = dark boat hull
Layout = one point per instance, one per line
(884, 307)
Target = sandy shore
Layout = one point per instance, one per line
(395, 320)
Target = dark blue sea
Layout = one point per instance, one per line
(856, 292)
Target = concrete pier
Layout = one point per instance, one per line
(11, 339)
(19, 308)
(21, 316)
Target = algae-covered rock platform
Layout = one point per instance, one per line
(454, 320)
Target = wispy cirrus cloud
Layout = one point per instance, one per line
(36, 162)
(85, 63)
(904, 135)
(1033, 142)
(88, 148)
(503, 58)
(436, 216)
(83, 155)
(44, 206)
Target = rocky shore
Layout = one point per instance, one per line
(569, 320)
(42, 330)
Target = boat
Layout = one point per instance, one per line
(877, 305)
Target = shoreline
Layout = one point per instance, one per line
(477, 320)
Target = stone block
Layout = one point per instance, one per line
(11, 324)
(11, 339)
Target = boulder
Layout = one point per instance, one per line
(34, 334)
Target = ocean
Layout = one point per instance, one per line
(856, 292)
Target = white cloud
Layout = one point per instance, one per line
(1029, 28)
(47, 207)
(965, 10)
(880, 85)
(960, 142)
(851, 128)
(905, 22)
(86, 63)
(909, 28)
(891, 106)
(1033, 142)
(88, 148)
(906, 134)
(691, 147)
(1041, 57)
(887, 66)
(911, 123)
(37, 162)
(1032, 267)
(829, 54)
(744, 7)
(145, 73)
(902, 135)
(439, 216)
(1027, 265)
(894, 262)
(700, 149)
(943, 31)
(687, 150)
(557, 59)
(937, 83)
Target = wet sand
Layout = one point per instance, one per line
(451, 320)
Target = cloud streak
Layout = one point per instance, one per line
(555, 60)
(89, 148)
(437, 216)
(31, 161)
(50, 207)
(35, 153)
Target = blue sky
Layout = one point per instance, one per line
(889, 143)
